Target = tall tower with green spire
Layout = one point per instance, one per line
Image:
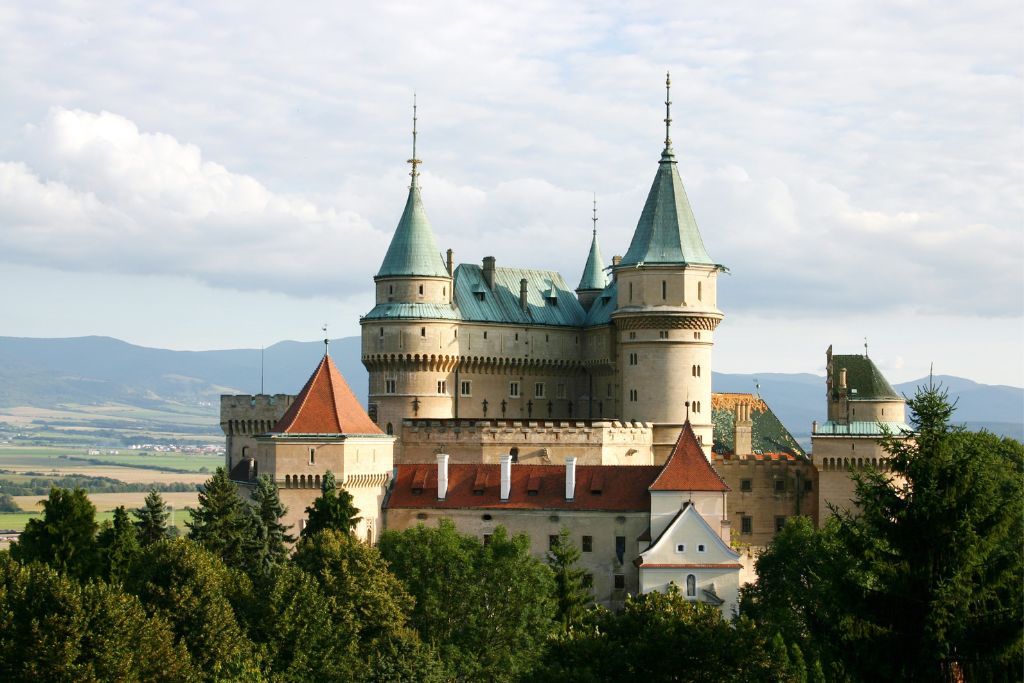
(666, 311)
(593, 281)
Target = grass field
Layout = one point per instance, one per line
(17, 520)
(105, 502)
(44, 459)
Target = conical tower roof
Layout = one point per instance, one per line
(413, 249)
(687, 469)
(593, 273)
(326, 405)
(667, 231)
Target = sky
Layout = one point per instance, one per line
(228, 175)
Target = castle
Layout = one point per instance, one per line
(499, 396)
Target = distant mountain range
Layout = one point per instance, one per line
(89, 371)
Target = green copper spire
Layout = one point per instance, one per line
(413, 249)
(667, 231)
(593, 273)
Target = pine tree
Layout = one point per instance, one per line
(220, 523)
(152, 519)
(571, 592)
(332, 510)
(119, 545)
(270, 511)
(64, 537)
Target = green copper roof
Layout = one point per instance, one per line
(601, 310)
(861, 428)
(864, 381)
(549, 301)
(593, 272)
(392, 311)
(667, 231)
(413, 249)
(768, 434)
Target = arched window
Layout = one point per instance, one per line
(287, 481)
(390, 429)
(514, 452)
(691, 586)
(316, 481)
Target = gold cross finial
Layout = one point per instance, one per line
(668, 110)
(414, 161)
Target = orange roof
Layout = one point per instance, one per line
(687, 469)
(326, 406)
(534, 487)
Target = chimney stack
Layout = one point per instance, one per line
(616, 260)
(743, 431)
(506, 476)
(489, 271)
(451, 262)
(522, 294)
(570, 478)
(842, 379)
(442, 475)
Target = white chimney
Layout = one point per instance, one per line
(570, 478)
(442, 475)
(506, 476)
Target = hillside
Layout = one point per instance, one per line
(107, 384)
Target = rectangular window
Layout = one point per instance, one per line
(588, 544)
(442, 386)
(808, 485)
(746, 524)
(746, 485)
(701, 548)
(620, 547)
(609, 392)
(620, 582)
(779, 523)
(552, 541)
(390, 386)
(466, 388)
(312, 456)
(780, 486)
(680, 547)
(560, 391)
(513, 389)
(538, 390)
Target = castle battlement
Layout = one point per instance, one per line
(252, 414)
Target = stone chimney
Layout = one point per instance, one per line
(489, 271)
(726, 530)
(506, 476)
(522, 294)
(442, 475)
(451, 262)
(743, 431)
(842, 380)
(616, 260)
(570, 478)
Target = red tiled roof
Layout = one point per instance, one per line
(326, 406)
(727, 565)
(687, 469)
(621, 487)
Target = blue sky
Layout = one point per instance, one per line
(215, 175)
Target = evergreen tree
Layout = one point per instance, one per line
(118, 545)
(332, 510)
(65, 536)
(151, 519)
(222, 523)
(270, 511)
(571, 593)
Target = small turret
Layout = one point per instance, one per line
(593, 281)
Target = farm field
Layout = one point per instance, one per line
(52, 460)
(106, 502)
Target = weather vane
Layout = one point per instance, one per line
(595, 214)
(327, 342)
(414, 161)
(668, 110)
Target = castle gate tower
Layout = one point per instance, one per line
(667, 313)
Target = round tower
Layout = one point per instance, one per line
(667, 312)
(409, 335)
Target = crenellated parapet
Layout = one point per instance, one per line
(251, 414)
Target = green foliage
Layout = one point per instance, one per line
(189, 587)
(40, 486)
(571, 593)
(7, 503)
(151, 519)
(53, 628)
(65, 536)
(332, 510)
(487, 610)
(118, 544)
(225, 525)
(665, 637)
(270, 511)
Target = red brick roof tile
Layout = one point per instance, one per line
(623, 488)
(326, 406)
(687, 469)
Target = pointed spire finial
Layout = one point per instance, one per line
(327, 342)
(595, 215)
(414, 161)
(668, 111)
(865, 347)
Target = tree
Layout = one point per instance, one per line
(56, 629)
(189, 587)
(65, 536)
(571, 593)
(487, 609)
(332, 510)
(151, 519)
(118, 545)
(270, 511)
(221, 524)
